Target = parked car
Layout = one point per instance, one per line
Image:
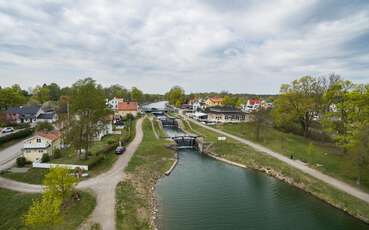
(120, 150)
(7, 130)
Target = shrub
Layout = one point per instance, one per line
(44, 126)
(45, 158)
(21, 161)
(57, 153)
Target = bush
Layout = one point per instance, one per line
(21, 161)
(45, 158)
(16, 135)
(44, 126)
(21, 126)
(57, 153)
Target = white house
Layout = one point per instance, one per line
(103, 131)
(41, 143)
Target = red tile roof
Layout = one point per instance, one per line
(127, 106)
(216, 99)
(52, 135)
(254, 101)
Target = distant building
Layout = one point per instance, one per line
(226, 114)
(49, 117)
(23, 114)
(214, 101)
(41, 143)
(113, 103)
(125, 108)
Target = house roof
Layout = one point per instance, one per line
(216, 99)
(254, 101)
(223, 109)
(46, 116)
(25, 111)
(52, 135)
(127, 106)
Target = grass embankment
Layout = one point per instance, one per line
(14, 205)
(101, 159)
(158, 128)
(134, 195)
(243, 154)
(325, 157)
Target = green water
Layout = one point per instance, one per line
(203, 193)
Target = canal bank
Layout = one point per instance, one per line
(246, 156)
(175, 192)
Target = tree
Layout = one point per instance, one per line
(260, 116)
(176, 96)
(59, 182)
(233, 100)
(136, 95)
(117, 91)
(45, 213)
(11, 96)
(54, 91)
(88, 113)
(41, 94)
(300, 102)
(44, 126)
(336, 119)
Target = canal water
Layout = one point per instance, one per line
(203, 193)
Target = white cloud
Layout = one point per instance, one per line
(250, 46)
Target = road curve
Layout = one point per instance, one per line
(340, 185)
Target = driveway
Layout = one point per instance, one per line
(340, 185)
(8, 155)
(103, 186)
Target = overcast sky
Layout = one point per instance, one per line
(248, 46)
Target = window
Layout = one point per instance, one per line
(40, 151)
(38, 140)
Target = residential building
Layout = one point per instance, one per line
(125, 108)
(198, 106)
(49, 117)
(214, 101)
(23, 114)
(226, 114)
(113, 103)
(41, 143)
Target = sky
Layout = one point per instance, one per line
(243, 46)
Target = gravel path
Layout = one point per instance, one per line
(340, 185)
(103, 186)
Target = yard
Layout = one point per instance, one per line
(325, 157)
(237, 152)
(134, 195)
(14, 205)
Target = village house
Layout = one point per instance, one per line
(214, 101)
(113, 103)
(226, 114)
(125, 108)
(23, 114)
(41, 143)
(49, 117)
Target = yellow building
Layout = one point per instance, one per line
(214, 101)
(41, 143)
(125, 108)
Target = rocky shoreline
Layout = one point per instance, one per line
(278, 175)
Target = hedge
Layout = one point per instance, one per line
(14, 136)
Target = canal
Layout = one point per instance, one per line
(203, 193)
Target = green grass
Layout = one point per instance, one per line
(150, 161)
(32, 176)
(325, 157)
(14, 205)
(237, 152)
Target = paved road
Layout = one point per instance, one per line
(296, 164)
(8, 155)
(103, 186)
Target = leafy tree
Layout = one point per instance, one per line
(41, 94)
(176, 96)
(54, 91)
(59, 182)
(136, 95)
(44, 126)
(233, 100)
(300, 102)
(260, 116)
(45, 213)
(117, 91)
(11, 96)
(88, 113)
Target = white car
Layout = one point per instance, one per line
(7, 130)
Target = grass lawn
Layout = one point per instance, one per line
(134, 195)
(14, 205)
(322, 156)
(237, 152)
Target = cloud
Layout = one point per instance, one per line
(213, 45)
